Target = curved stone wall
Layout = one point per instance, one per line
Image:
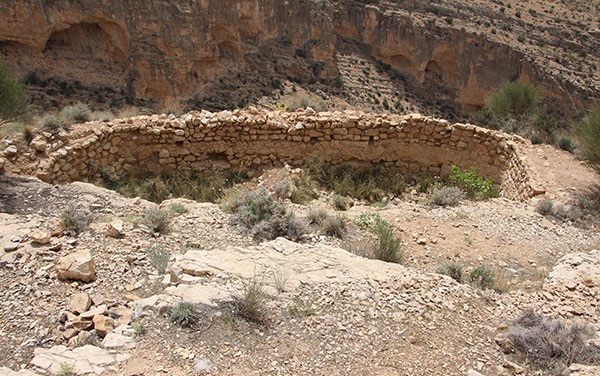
(242, 140)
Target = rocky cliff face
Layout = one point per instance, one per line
(233, 49)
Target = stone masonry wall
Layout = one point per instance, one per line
(248, 139)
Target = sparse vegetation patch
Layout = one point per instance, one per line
(552, 345)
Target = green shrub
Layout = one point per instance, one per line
(482, 276)
(77, 113)
(565, 143)
(515, 99)
(370, 183)
(252, 302)
(139, 328)
(588, 135)
(545, 207)
(178, 208)
(74, 220)
(14, 100)
(387, 246)
(552, 345)
(204, 186)
(472, 183)
(367, 220)
(184, 313)
(66, 369)
(341, 203)
(156, 219)
(536, 139)
(447, 196)
(159, 257)
(452, 270)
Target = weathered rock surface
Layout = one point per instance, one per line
(85, 360)
(77, 266)
(123, 52)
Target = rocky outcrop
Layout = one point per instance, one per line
(250, 139)
(202, 49)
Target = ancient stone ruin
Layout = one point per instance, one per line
(246, 139)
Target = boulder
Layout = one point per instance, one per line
(80, 303)
(78, 266)
(103, 324)
(115, 229)
(41, 237)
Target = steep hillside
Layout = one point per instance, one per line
(441, 58)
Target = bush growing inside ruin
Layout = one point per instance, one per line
(364, 182)
(473, 184)
(588, 135)
(446, 196)
(14, 99)
(203, 186)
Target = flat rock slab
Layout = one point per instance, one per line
(85, 360)
(4, 371)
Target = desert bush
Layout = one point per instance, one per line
(296, 227)
(334, 225)
(387, 246)
(552, 345)
(77, 113)
(251, 304)
(341, 202)
(171, 106)
(452, 270)
(139, 328)
(370, 183)
(302, 191)
(178, 208)
(204, 186)
(156, 219)
(588, 135)
(447, 196)
(536, 139)
(482, 277)
(317, 216)
(259, 212)
(53, 123)
(159, 257)
(66, 369)
(14, 99)
(102, 115)
(514, 99)
(545, 207)
(565, 143)
(74, 220)
(473, 184)
(367, 220)
(184, 314)
(304, 100)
